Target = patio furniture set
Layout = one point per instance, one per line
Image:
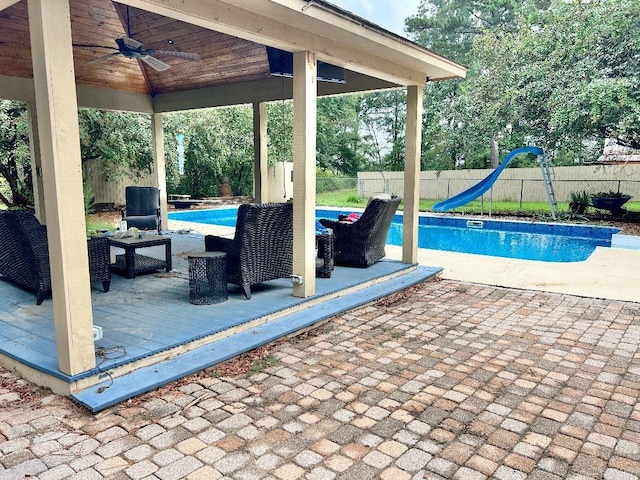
(261, 249)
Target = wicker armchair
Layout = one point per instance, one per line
(24, 254)
(361, 244)
(262, 248)
(143, 208)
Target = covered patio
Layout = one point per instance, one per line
(152, 334)
(48, 65)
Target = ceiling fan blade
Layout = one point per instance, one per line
(154, 63)
(184, 55)
(104, 57)
(131, 42)
(88, 45)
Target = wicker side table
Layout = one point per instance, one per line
(325, 260)
(208, 278)
(131, 263)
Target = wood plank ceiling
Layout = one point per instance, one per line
(224, 59)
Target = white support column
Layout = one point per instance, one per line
(260, 160)
(304, 172)
(411, 198)
(57, 112)
(36, 163)
(159, 167)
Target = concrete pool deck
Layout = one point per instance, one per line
(609, 273)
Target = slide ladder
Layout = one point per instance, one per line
(548, 176)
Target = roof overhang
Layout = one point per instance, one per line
(372, 57)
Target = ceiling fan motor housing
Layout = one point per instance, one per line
(128, 49)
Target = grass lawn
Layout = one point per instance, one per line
(103, 221)
(350, 198)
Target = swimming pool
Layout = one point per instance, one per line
(547, 242)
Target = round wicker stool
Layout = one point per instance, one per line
(208, 278)
(324, 260)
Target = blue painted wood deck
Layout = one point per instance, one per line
(151, 314)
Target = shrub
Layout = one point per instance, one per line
(609, 194)
(578, 202)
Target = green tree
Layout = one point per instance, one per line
(565, 81)
(384, 117)
(341, 149)
(589, 55)
(338, 143)
(443, 143)
(450, 27)
(121, 140)
(238, 135)
(218, 145)
(15, 166)
(280, 131)
(456, 131)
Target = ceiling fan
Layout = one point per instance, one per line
(132, 48)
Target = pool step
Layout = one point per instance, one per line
(628, 242)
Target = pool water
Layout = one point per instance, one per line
(547, 242)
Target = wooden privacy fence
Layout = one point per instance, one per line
(520, 190)
(515, 184)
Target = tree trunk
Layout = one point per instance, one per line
(495, 159)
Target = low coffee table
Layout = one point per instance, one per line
(131, 263)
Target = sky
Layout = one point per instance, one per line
(389, 14)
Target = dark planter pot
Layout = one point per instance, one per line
(610, 203)
(225, 189)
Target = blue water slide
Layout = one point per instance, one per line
(479, 188)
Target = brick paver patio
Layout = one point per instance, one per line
(448, 381)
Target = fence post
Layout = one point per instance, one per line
(521, 192)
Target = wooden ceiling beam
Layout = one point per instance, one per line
(264, 90)
(105, 99)
(22, 90)
(16, 88)
(259, 90)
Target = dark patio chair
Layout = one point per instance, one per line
(262, 248)
(361, 243)
(142, 208)
(24, 254)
